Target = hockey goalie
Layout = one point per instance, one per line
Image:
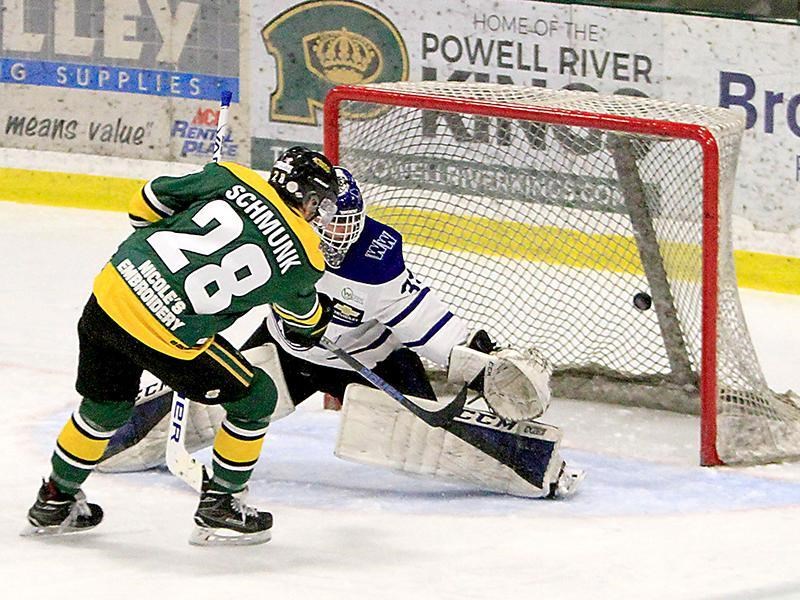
(389, 319)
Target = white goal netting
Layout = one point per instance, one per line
(541, 215)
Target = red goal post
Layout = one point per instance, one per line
(440, 128)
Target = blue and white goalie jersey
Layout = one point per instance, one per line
(379, 306)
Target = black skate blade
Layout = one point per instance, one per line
(208, 536)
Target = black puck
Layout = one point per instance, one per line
(642, 301)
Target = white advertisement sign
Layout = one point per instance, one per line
(128, 78)
(749, 67)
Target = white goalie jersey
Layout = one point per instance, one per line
(379, 306)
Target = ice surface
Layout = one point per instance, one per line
(647, 523)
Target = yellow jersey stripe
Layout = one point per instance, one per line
(228, 367)
(233, 359)
(139, 207)
(298, 320)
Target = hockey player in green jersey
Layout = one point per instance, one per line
(207, 248)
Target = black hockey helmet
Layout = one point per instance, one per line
(306, 180)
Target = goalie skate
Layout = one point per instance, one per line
(567, 483)
(57, 513)
(223, 519)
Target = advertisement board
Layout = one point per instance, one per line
(300, 50)
(126, 78)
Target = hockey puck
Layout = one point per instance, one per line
(642, 301)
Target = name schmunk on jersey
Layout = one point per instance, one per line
(271, 226)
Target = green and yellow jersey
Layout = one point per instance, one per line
(207, 248)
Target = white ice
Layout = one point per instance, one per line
(647, 523)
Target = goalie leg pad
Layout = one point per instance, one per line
(375, 430)
(139, 444)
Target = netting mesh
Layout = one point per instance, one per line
(545, 233)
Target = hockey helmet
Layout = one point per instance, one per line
(345, 226)
(305, 180)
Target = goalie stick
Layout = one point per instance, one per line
(434, 418)
(179, 461)
(455, 420)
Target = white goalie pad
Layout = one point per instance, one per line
(203, 422)
(465, 364)
(516, 382)
(376, 430)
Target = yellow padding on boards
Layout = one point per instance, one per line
(768, 272)
(80, 446)
(755, 270)
(552, 245)
(67, 189)
(235, 450)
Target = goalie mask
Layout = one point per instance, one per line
(343, 228)
(305, 180)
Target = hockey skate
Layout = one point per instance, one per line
(223, 519)
(567, 483)
(57, 513)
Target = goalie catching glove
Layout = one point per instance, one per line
(516, 383)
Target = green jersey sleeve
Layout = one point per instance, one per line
(164, 196)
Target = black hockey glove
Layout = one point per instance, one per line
(481, 342)
(303, 339)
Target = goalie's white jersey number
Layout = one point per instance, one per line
(212, 287)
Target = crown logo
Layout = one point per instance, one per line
(343, 57)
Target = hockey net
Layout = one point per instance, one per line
(541, 214)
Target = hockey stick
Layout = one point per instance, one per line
(179, 461)
(434, 418)
(222, 124)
